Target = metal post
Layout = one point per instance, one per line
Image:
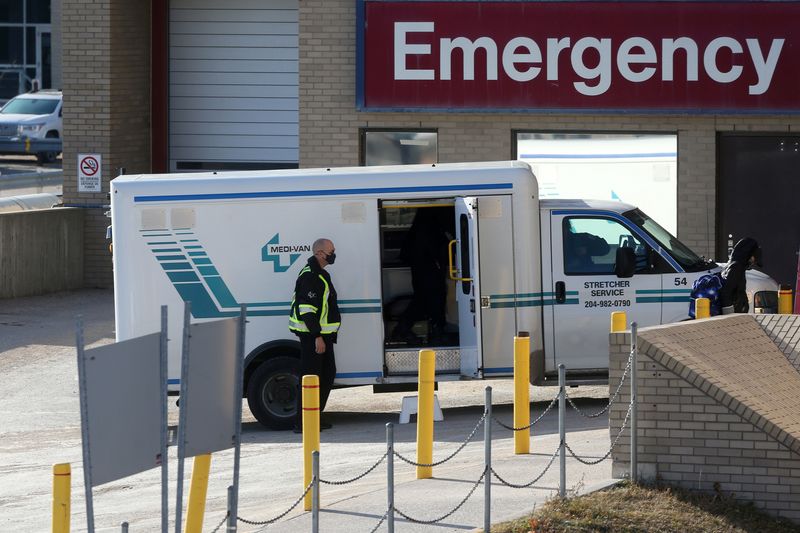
(634, 399)
(62, 487)
(310, 431)
(522, 392)
(427, 380)
(124, 527)
(84, 401)
(390, 477)
(187, 312)
(231, 527)
(164, 422)
(315, 492)
(487, 461)
(237, 401)
(562, 430)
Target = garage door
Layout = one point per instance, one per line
(233, 84)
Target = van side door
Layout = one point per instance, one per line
(485, 292)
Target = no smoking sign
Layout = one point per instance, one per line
(90, 173)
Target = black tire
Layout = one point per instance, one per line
(47, 157)
(272, 392)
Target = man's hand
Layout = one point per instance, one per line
(320, 345)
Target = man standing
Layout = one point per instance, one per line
(315, 319)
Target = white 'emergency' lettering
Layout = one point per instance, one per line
(637, 58)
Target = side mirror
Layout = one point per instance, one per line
(626, 263)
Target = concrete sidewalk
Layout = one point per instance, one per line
(359, 506)
(40, 426)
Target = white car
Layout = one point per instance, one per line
(35, 115)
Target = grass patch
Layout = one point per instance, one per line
(628, 508)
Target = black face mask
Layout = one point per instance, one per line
(330, 258)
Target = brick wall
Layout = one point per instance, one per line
(329, 122)
(106, 83)
(717, 406)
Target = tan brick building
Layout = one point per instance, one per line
(182, 85)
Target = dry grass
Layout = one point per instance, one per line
(628, 508)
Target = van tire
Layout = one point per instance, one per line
(272, 392)
(47, 157)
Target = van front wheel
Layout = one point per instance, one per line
(272, 392)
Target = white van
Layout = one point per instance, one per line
(555, 269)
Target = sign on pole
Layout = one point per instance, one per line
(90, 173)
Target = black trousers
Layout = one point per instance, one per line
(322, 365)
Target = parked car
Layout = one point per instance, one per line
(35, 115)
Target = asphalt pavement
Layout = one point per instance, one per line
(40, 426)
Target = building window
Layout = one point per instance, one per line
(398, 147)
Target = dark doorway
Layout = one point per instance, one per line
(759, 180)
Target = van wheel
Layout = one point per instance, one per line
(272, 392)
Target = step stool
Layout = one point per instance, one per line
(409, 407)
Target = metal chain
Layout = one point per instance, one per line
(351, 480)
(535, 480)
(437, 463)
(587, 462)
(611, 401)
(289, 510)
(221, 523)
(512, 428)
(475, 486)
(383, 518)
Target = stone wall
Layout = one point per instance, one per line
(718, 408)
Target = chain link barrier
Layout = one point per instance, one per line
(613, 444)
(437, 463)
(610, 402)
(535, 480)
(289, 510)
(523, 428)
(362, 475)
(435, 520)
(221, 523)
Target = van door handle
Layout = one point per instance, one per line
(561, 292)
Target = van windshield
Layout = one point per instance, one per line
(690, 261)
(30, 106)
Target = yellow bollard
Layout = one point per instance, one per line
(427, 377)
(619, 321)
(62, 481)
(310, 430)
(197, 494)
(702, 308)
(522, 392)
(785, 300)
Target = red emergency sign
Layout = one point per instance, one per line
(583, 56)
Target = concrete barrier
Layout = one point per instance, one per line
(718, 408)
(41, 251)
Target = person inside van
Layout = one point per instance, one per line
(425, 251)
(733, 295)
(579, 250)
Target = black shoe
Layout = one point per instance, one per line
(297, 429)
(325, 425)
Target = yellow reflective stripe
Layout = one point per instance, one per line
(298, 325)
(333, 328)
(307, 308)
(323, 318)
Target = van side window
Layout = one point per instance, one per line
(590, 246)
(466, 272)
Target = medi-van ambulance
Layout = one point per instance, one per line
(553, 268)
